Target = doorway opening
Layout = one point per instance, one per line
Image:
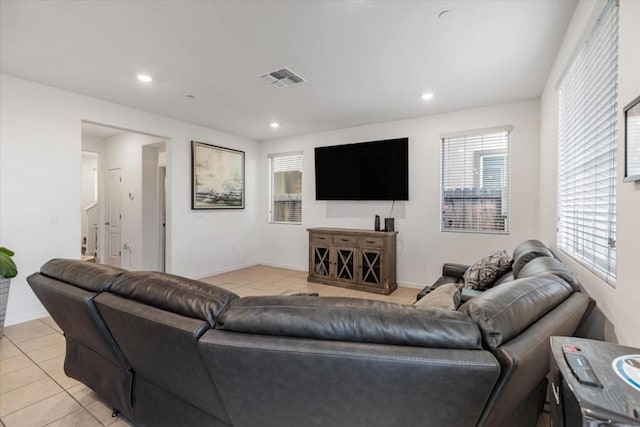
(89, 206)
(128, 214)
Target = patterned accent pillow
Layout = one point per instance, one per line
(445, 296)
(485, 272)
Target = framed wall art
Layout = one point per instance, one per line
(632, 141)
(217, 177)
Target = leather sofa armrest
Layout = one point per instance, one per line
(454, 270)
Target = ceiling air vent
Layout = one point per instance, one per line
(282, 78)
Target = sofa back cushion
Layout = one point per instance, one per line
(526, 251)
(548, 265)
(520, 392)
(278, 381)
(350, 319)
(190, 298)
(162, 349)
(504, 311)
(505, 278)
(86, 275)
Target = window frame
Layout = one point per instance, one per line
(573, 234)
(271, 202)
(489, 151)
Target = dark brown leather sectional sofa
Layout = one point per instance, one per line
(168, 351)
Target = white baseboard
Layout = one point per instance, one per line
(414, 285)
(22, 318)
(287, 266)
(222, 270)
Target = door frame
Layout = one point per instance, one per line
(107, 223)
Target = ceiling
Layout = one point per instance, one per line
(364, 61)
(100, 131)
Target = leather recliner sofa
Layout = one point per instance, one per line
(530, 258)
(167, 351)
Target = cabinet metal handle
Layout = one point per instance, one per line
(322, 238)
(344, 240)
(371, 241)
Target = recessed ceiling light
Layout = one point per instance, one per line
(427, 96)
(274, 125)
(144, 78)
(445, 15)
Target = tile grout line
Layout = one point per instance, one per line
(50, 377)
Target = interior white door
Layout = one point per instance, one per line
(114, 218)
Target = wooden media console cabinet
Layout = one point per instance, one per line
(356, 259)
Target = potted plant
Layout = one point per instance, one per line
(8, 270)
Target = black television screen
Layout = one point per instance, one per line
(377, 170)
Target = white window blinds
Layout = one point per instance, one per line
(475, 181)
(286, 187)
(587, 150)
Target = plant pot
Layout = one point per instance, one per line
(4, 298)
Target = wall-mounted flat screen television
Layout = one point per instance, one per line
(377, 170)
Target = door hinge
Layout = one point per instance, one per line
(119, 253)
(120, 215)
(120, 179)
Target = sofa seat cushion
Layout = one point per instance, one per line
(505, 311)
(526, 251)
(484, 273)
(352, 320)
(446, 297)
(176, 294)
(548, 265)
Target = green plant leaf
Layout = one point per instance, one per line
(8, 268)
(7, 251)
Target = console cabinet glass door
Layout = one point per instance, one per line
(346, 264)
(321, 257)
(371, 270)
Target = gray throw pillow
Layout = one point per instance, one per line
(485, 272)
(445, 297)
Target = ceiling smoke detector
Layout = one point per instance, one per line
(282, 78)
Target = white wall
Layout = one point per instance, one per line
(619, 304)
(40, 145)
(422, 247)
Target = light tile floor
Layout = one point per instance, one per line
(35, 392)
(265, 280)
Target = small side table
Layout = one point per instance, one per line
(594, 383)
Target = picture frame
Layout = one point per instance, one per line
(217, 177)
(632, 141)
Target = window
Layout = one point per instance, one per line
(587, 133)
(285, 171)
(475, 181)
(493, 172)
